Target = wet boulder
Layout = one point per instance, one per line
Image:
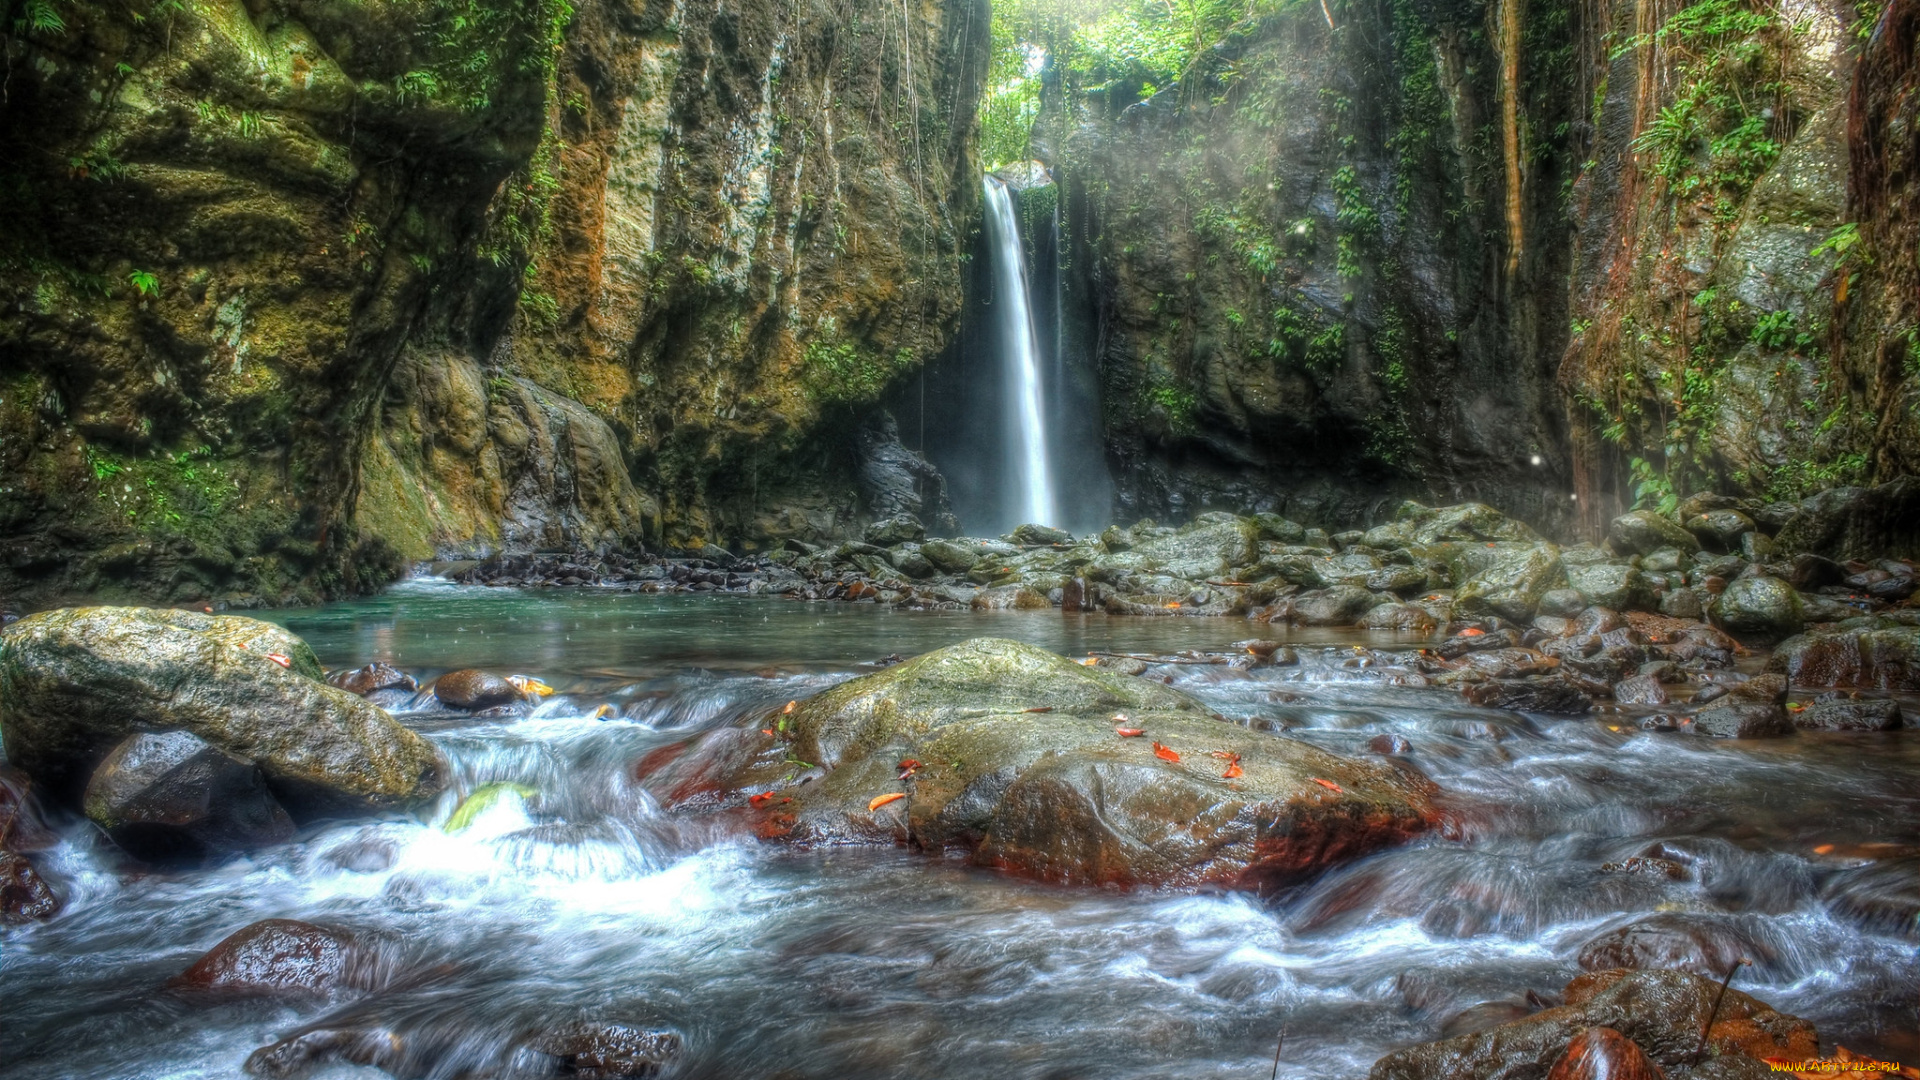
(1882, 897)
(1601, 1053)
(1642, 532)
(1640, 690)
(281, 957)
(899, 529)
(1701, 945)
(372, 678)
(1611, 585)
(1009, 598)
(1758, 604)
(1341, 605)
(1010, 754)
(597, 1051)
(949, 557)
(1039, 535)
(1857, 523)
(1208, 547)
(75, 682)
(171, 797)
(1755, 709)
(1877, 656)
(1720, 530)
(1415, 525)
(1511, 587)
(1844, 712)
(25, 896)
(1662, 1012)
(473, 689)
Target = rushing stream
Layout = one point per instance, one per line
(584, 901)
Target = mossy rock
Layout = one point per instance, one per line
(76, 681)
(1021, 766)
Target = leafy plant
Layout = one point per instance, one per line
(144, 283)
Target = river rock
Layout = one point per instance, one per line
(1415, 525)
(1642, 532)
(372, 678)
(1398, 617)
(1758, 604)
(471, 688)
(948, 556)
(1843, 712)
(1857, 523)
(1612, 585)
(1640, 690)
(1872, 656)
(1755, 709)
(1882, 897)
(1039, 535)
(592, 1051)
(1687, 942)
(899, 529)
(1341, 605)
(1660, 1011)
(1022, 769)
(24, 894)
(1601, 1053)
(1512, 586)
(171, 797)
(1719, 530)
(280, 956)
(1210, 546)
(1009, 598)
(75, 682)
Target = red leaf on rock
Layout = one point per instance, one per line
(1328, 784)
(910, 763)
(280, 659)
(766, 731)
(1233, 770)
(1164, 754)
(1473, 631)
(760, 799)
(1129, 732)
(882, 800)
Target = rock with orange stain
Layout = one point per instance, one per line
(1601, 1053)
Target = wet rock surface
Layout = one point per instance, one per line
(472, 689)
(281, 957)
(1660, 1012)
(75, 682)
(173, 798)
(1011, 755)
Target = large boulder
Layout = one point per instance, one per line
(949, 557)
(1611, 585)
(1209, 547)
(1758, 604)
(172, 797)
(1415, 525)
(1341, 605)
(1511, 587)
(1755, 709)
(1660, 1011)
(1010, 753)
(1643, 532)
(1857, 523)
(281, 957)
(1872, 656)
(77, 681)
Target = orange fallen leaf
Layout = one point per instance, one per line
(1090, 661)
(882, 800)
(1173, 605)
(760, 799)
(280, 659)
(1164, 753)
(1473, 631)
(1823, 849)
(766, 731)
(1129, 732)
(1038, 709)
(1797, 706)
(1233, 770)
(1328, 784)
(910, 763)
(789, 708)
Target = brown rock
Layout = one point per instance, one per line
(279, 956)
(594, 1051)
(172, 797)
(1687, 943)
(1640, 690)
(471, 688)
(375, 676)
(1601, 1053)
(24, 894)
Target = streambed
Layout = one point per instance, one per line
(857, 963)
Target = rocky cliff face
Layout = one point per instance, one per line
(301, 290)
(1347, 270)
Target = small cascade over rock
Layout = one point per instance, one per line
(1030, 488)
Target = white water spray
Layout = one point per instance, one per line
(1033, 479)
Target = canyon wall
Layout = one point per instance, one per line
(299, 291)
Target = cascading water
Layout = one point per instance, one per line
(1032, 480)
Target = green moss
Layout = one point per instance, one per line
(839, 371)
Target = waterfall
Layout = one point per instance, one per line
(1032, 479)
